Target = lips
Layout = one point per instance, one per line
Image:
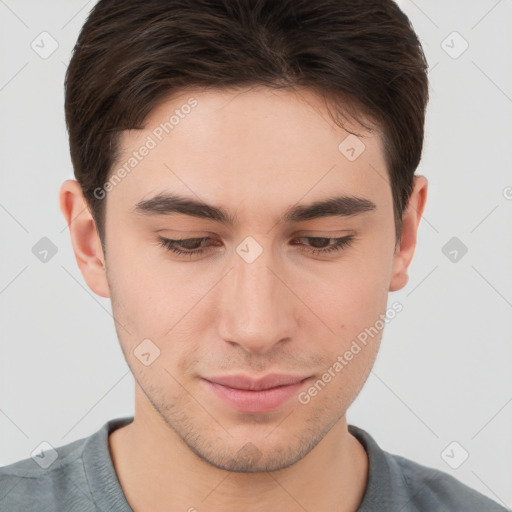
(247, 394)
(247, 383)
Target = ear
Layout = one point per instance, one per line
(410, 222)
(84, 237)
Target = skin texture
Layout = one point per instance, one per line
(255, 152)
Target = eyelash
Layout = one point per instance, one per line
(173, 245)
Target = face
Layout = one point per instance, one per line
(264, 285)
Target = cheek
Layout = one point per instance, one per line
(150, 306)
(143, 295)
(155, 298)
(349, 295)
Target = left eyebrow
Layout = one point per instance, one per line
(169, 203)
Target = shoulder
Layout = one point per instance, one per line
(55, 476)
(398, 483)
(432, 489)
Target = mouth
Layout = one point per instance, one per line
(246, 394)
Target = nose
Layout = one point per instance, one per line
(257, 310)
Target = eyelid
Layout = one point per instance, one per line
(315, 233)
(336, 245)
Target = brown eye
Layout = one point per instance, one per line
(188, 246)
(323, 245)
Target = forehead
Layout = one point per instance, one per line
(249, 146)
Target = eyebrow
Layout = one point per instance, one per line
(169, 203)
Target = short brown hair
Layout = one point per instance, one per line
(132, 55)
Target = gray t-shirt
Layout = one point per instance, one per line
(82, 479)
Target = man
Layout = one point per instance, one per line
(246, 197)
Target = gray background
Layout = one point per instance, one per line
(444, 370)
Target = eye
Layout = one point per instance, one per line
(184, 246)
(197, 246)
(324, 245)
